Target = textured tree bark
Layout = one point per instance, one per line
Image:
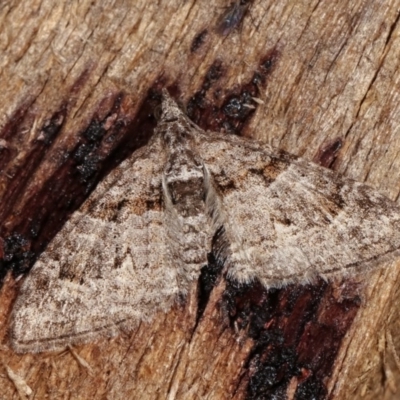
(79, 83)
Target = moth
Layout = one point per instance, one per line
(143, 235)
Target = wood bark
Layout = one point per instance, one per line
(78, 86)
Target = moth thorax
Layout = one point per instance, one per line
(187, 195)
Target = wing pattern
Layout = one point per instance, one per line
(145, 232)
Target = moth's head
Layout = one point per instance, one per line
(169, 109)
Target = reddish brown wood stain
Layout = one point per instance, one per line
(291, 340)
(198, 41)
(235, 106)
(328, 153)
(97, 150)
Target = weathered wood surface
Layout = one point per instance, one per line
(78, 83)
